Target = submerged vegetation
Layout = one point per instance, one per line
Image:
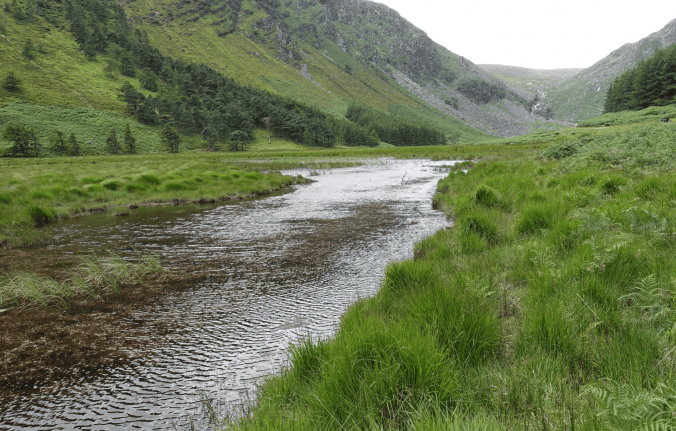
(548, 306)
(93, 278)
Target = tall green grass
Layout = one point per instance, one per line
(92, 278)
(548, 306)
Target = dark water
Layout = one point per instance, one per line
(266, 272)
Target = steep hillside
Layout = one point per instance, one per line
(330, 52)
(526, 79)
(583, 95)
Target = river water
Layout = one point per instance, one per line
(265, 272)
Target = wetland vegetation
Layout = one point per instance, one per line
(548, 306)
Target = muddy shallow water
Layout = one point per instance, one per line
(263, 273)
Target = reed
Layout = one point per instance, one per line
(92, 278)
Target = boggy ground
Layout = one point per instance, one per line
(550, 305)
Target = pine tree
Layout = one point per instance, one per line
(28, 51)
(170, 138)
(129, 141)
(59, 142)
(112, 143)
(74, 145)
(90, 49)
(11, 82)
(148, 80)
(238, 139)
(127, 65)
(110, 66)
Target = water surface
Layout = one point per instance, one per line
(265, 272)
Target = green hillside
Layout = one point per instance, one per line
(61, 76)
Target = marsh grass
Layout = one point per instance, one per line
(549, 306)
(92, 278)
(37, 191)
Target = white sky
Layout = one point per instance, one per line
(539, 34)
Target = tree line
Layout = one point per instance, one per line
(393, 129)
(651, 83)
(25, 142)
(194, 99)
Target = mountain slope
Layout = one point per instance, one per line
(583, 95)
(329, 53)
(344, 49)
(526, 79)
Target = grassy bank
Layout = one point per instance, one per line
(550, 305)
(36, 191)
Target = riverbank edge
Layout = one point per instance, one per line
(39, 234)
(551, 298)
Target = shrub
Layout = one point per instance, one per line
(485, 195)
(112, 185)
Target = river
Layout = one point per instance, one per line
(264, 273)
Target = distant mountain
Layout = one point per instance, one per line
(526, 81)
(582, 96)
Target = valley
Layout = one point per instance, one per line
(307, 214)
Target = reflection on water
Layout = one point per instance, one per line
(265, 272)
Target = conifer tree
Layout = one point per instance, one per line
(127, 65)
(74, 145)
(90, 49)
(170, 138)
(112, 142)
(11, 82)
(129, 141)
(238, 139)
(109, 66)
(148, 80)
(28, 51)
(59, 142)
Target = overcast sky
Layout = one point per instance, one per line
(540, 34)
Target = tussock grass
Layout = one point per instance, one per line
(92, 278)
(550, 309)
(37, 191)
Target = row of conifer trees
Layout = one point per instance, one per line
(194, 97)
(197, 100)
(651, 83)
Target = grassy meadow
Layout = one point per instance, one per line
(549, 305)
(34, 192)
